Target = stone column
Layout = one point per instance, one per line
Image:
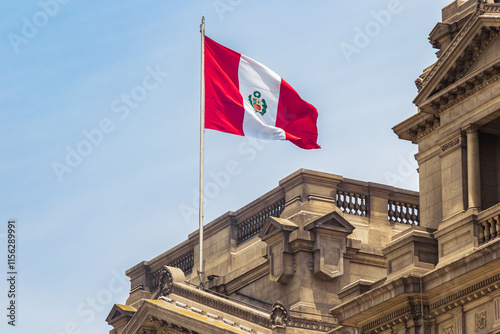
(473, 167)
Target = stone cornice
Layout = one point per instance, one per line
(468, 58)
(379, 299)
(430, 78)
(371, 259)
(230, 283)
(417, 126)
(464, 88)
(224, 305)
(244, 312)
(454, 88)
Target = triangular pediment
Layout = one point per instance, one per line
(120, 311)
(275, 225)
(489, 56)
(331, 221)
(189, 316)
(475, 48)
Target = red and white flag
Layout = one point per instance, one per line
(245, 98)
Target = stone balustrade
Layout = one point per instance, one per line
(226, 237)
(404, 213)
(352, 203)
(185, 263)
(489, 229)
(252, 226)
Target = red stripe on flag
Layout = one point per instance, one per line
(297, 118)
(224, 109)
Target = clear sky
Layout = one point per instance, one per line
(99, 128)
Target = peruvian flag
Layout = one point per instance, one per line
(245, 98)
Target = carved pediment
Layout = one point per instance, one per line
(473, 48)
(330, 244)
(275, 225)
(472, 58)
(332, 221)
(120, 316)
(120, 311)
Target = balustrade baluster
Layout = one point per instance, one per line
(493, 231)
(363, 206)
(486, 231)
(351, 203)
(481, 234)
(391, 211)
(356, 204)
(398, 212)
(497, 223)
(414, 214)
(339, 200)
(407, 213)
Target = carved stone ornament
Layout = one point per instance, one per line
(481, 320)
(279, 315)
(166, 283)
(146, 331)
(165, 327)
(448, 330)
(451, 144)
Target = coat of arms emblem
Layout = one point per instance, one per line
(258, 104)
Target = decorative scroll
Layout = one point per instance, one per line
(489, 230)
(165, 283)
(404, 213)
(253, 225)
(185, 263)
(352, 203)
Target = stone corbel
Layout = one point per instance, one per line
(330, 244)
(276, 233)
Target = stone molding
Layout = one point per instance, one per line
(230, 284)
(163, 326)
(451, 144)
(408, 288)
(220, 304)
(449, 50)
(245, 313)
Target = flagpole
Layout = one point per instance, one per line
(202, 146)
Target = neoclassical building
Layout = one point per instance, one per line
(321, 253)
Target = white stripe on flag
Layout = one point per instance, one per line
(256, 80)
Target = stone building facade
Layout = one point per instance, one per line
(321, 253)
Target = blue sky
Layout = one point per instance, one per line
(118, 82)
